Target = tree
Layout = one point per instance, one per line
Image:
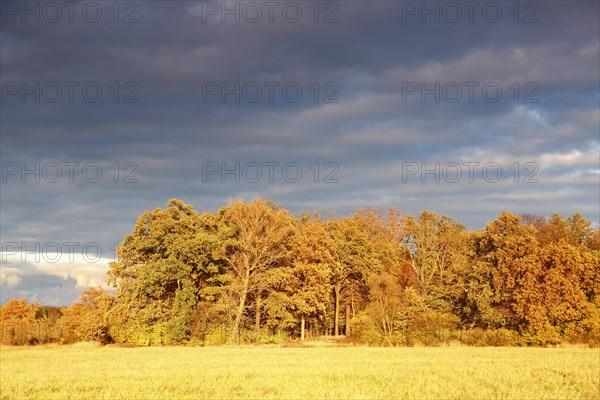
(580, 229)
(537, 221)
(571, 282)
(18, 322)
(387, 314)
(593, 241)
(88, 320)
(512, 251)
(437, 252)
(386, 233)
(574, 230)
(257, 238)
(160, 271)
(476, 303)
(352, 255)
(312, 260)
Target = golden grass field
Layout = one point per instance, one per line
(275, 372)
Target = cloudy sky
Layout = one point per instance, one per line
(462, 108)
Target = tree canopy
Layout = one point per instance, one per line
(252, 272)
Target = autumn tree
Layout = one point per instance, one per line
(476, 304)
(256, 238)
(571, 283)
(512, 252)
(88, 319)
(18, 322)
(435, 246)
(48, 320)
(352, 255)
(575, 230)
(593, 241)
(160, 270)
(184, 277)
(385, 318)
(535, 220)
(312, 260)
(387, 233)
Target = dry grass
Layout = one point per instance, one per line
(259, 372)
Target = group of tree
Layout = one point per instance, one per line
(254, 273)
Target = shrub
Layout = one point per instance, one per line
(432, 328)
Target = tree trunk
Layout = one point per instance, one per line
(302, 324)
(347, 319)
(239, 314)
(336, 323)
(257, 315)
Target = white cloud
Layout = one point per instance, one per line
(9, 278)
(86, 272)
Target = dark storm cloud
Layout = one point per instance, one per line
(370, 127)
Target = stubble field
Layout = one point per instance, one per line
(273, 372)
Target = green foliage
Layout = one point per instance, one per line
(161, 269)
(185, 301)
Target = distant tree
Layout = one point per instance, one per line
(574, 230)
(352, 254)
(439, 250)
(181, 277)
(571, 280)
(88, 320)
(386, 317)
(48, 321)
(534, 220)
(312, 261)
(512, 252)
(257, 238)
(580, 229)
(387, 233)
(159, 273)
(593, 241)
(18, 322)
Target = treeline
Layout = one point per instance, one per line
(28, 324)
(253, 273)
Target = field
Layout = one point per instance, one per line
(273, 372)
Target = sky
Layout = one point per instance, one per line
(109, 109)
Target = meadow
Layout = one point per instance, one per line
(71, 372)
